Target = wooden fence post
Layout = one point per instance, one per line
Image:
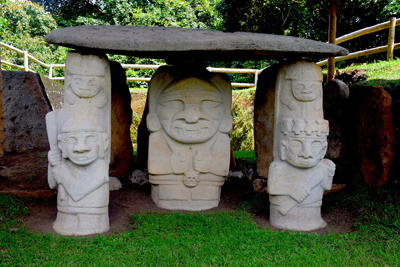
(332, 39)
(26, 61)
(392, 30)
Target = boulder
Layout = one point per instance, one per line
(336, 105)
(375, 133)
(264, 105)
(25, 105)
(122, 158)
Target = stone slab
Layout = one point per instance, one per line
(375, 133)
(25, 105)
(188, 44)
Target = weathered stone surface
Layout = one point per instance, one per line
(79, 137)
(55, 92)
(25, 105)
(264, 106)
(114, 183)
(121, 158)
(189, 147)
(336, 111)
(143, 139)
(198, 44)
(375, 133)
(298, 175)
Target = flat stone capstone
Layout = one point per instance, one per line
(189, 44)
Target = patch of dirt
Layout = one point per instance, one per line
(28, 171)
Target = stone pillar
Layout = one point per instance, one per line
(79, 137)
(298, 175)
(189, 122)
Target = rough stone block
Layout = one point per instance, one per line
(336, 111)
(375, 133)
(25, 105)
(121, 158)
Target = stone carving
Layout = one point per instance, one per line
(298, 175)
(79, 156)
(189, 147)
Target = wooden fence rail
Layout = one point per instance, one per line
(28, 57)
(391, 24)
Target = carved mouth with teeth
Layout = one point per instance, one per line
(189, 133)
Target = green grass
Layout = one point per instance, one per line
(214, 239)
(247, 156)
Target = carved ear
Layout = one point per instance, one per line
(106, 141)
(153, 123)
(61, 145)
(226, 124)
(282, 149)
(325, 149)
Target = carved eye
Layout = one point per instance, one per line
(93, 82)
(77, 81)
(207, 104)
(315, 87)
(295, 143)
(299, 87)
(71, 140)
(316, 144)
(175, 104)
(92, 139)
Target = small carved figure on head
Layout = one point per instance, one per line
(303, 84)
(86, 78)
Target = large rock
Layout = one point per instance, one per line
(375, 133)
(200, 44)
(25, 105)
(54, 91)
(336, 104)
(264, 105)
(122, 158)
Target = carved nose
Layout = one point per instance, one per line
(306, 152)
(81, 146)
(191, 113)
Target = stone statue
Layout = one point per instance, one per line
(189, 147)
(79, 137)
(297, 182)
(298, 175)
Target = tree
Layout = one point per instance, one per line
(309, 18)
(24, 25)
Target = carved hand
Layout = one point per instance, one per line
(202, 161)
(54, 157)
(180, 162)
(300, 194)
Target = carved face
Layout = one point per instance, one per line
(190, 111)
(86, 85)
(306, 90)
(82, 148)
(304, 151)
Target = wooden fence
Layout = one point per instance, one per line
(391, 24)
(28, 57)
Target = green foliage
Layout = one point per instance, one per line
(24, 25)
(242, 137)
(310, 19)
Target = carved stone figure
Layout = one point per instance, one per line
(298, 175)
(297, 181)
(79, 156)
(189, 147)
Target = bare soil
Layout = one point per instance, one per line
(27, 172)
